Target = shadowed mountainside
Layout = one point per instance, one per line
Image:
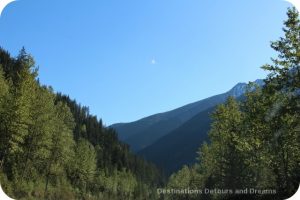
(144, 132)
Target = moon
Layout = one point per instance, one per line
(3, 4)
(295, 3)
(153, 61)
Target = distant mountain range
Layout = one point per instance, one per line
(171, 139)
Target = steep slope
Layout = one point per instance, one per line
(146, 131)
(180, 146)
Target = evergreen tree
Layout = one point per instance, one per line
(52, 148)
(19, 118)
(256, 144)
(4, 99)
(283, 85)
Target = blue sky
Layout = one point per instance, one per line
(127, 59)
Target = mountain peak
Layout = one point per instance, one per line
(240, 88)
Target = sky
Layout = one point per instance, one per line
(127, 59)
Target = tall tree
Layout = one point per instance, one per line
(62, 144)
(224, 135)
(83, 165)
(283, 85)
(19, 115)
(4, 99)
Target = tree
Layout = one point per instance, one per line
(4, 98)
(52, 147)
(83, 165)
(224, 135)
(19, 117)
(285, 70)
(258, 140)
(185, 179)
(282, 85)
(37, 146)
(62, 143)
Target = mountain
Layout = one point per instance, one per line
(180, 146)
(146, 131)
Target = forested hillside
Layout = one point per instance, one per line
(254, 149)
(52, 148)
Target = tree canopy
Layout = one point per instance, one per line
(255, 142)
(51, 147)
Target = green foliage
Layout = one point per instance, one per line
(4, 99)
(186, 178)
(52, 148)
(62, 144)
(83, 165)
(256, 143)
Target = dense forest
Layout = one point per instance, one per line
(254, 146)
(52, 148)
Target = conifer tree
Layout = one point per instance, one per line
(4, 99)
(282, 85)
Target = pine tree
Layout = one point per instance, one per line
(52, 148)
(282, 85)
(19, 114)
